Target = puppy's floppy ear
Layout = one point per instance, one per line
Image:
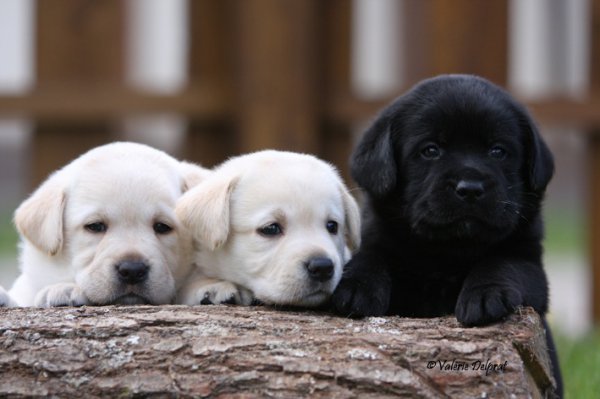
(192, 175)
(205, 211)
(352, 219)
(40, 217)
(539, 161)
(373, 165)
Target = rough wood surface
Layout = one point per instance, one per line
(224, 351)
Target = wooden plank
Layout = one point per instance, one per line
(277, 60)
(567, 113)
(471, 36)
(337, 33)
(79, 43)
(80, 103)
(416, 54)
(210, 43)
(555, 112)
(209, 137)
(210, 105)
(461, 36)
(337, 49)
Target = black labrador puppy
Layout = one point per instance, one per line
(454, 173)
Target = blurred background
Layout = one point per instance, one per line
(208, 79)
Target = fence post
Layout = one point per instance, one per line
(79, 45)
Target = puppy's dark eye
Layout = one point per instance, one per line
(271, 230)
(497, 152)
(431, 151)
(332, 227)
(96, 227)
(162, 228)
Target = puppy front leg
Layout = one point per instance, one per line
(493, 291)
(207, 291)
(6, 300)
(364, 289)
(61, 294)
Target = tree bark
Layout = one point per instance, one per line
(230, 351)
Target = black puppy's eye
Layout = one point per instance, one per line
(271, 230)
(431, 151)
(497, 152)
(162, 228)
(96, 227)
(332, 227)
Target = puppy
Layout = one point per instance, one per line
(102, 230)
(454, 173)
(272, 226)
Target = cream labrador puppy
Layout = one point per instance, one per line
(102, 230)
(271, 225)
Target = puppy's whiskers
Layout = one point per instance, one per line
(514, 207)
(522, 193)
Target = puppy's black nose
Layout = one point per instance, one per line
(469, 190)
(320, 269)
(132, 272)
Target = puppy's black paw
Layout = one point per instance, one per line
(206, 299)
(219, 292)
(209, 297)
(357, 296)
(486, 304)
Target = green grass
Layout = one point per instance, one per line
(580, 364)
(8, 236)
(565, 232)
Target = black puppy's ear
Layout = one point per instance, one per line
(373, 165)
(539, 160)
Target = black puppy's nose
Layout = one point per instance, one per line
(320, 269)
(469, 190)
(132, 272)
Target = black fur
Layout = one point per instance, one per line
(454, 173)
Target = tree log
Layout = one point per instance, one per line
(231, 351)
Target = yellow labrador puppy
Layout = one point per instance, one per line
(273, 226)
(102, 230)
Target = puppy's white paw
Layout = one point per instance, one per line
(223, 292)
(5, 300)
(62, 294)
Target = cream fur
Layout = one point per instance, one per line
(298, 191)
(127, 186)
